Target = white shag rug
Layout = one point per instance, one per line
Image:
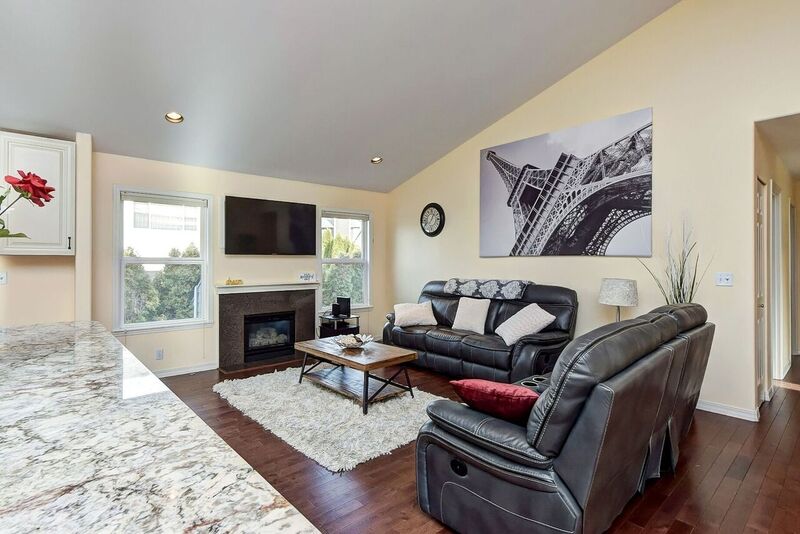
(327, 427)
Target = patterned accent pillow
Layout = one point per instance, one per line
(487, 289)
(529, 320)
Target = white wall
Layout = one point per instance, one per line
(709, 69)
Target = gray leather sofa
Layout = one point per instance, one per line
(465, 354)
(619, 400)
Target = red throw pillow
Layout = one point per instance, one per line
(505, 401)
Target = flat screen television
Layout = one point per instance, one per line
(265, 227)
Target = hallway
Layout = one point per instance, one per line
(793, 376)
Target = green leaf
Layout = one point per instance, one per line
(4, 232)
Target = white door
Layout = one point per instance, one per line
(761, 289)
(50, 229)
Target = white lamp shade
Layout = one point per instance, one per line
(618, 292)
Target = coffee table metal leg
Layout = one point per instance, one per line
(408, 381)
(365, 398)
(303, 369)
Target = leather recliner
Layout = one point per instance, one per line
(465, 354)
(618, 398)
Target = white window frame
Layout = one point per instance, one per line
(120, 260)
(366, 216)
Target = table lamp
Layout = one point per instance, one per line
(618, 292)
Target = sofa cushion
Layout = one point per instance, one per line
(529, 320)
(410, 337)
(509, 402)
(687, 315)
(443, 340)
(500, 437)
(489, 350)
(471, 314)
(410, 314)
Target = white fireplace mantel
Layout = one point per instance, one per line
(223, 289)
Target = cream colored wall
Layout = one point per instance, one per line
(709, 69)
(198, 347)
(772, 170)
(40, 289)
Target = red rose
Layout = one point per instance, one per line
(32, 186)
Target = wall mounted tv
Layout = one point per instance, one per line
(264, 227)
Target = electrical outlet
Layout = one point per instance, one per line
(724, 279)
(159, 354)
(3, 278)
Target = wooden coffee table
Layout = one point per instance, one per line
(351, 374)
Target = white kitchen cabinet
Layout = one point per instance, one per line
(51, 228)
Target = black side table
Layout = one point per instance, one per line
(338, 325)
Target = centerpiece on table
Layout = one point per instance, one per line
(29, 186)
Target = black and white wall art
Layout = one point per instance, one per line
(585, 191)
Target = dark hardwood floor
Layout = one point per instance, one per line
(793, 376)
(733, 476)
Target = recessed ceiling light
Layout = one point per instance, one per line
(174, 117)
(376, 160)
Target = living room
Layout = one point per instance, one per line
(213, 166)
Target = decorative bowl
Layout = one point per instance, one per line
(353, 341)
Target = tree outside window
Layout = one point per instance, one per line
(163, 260)
(345, 258)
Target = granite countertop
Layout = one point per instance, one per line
(92, 441)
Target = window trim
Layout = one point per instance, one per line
(205, 261)
(367, 261)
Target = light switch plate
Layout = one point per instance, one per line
(159, 354)
(3, 278)
(724, 279)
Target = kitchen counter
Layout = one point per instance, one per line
(92, 441)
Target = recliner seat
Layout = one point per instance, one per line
(620, 397)
(469, 355)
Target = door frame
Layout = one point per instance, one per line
(793, 279)
(761, 202)
(777, 319)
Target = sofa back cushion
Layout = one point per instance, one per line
(587, 361)
(558, 301)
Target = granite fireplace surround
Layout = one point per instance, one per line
(234, 306)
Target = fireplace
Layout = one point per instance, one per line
(268, 335)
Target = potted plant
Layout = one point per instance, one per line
(681, 274)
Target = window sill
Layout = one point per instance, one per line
(153, 329)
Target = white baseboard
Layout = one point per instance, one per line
(730, 411)
(186, 370)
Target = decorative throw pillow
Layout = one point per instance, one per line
(529, 320)
(509, 402)
(471, 314)
(410, 314)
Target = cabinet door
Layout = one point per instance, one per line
(50, 228)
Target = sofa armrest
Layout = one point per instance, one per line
(536, 354)
(387, 329)
(496, 435)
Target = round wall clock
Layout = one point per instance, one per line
(432, 219)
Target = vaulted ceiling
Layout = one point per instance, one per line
(302, 89)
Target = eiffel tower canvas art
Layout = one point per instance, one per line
(585, 191)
